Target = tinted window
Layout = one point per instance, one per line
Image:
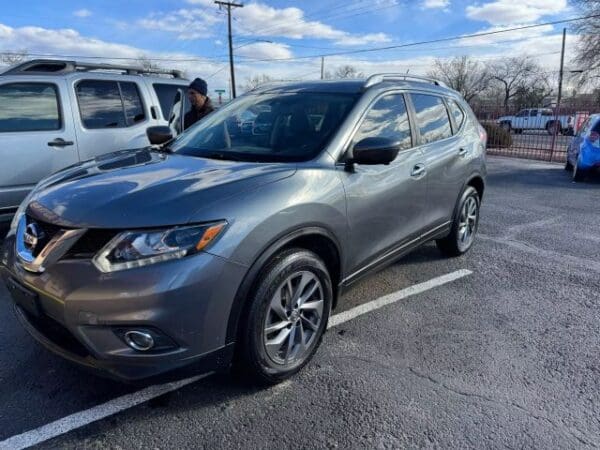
(134, 108)
(29, 107)
(432, 118)
(533, 113)
(103, 105)
(166, 96)
(387, 118)
(267, 127)
(547, 112)
(523, 113)
(457, 113)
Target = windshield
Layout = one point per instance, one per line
(267, 127)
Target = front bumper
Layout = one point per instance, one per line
(79, 310)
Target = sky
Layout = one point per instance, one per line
(284, 39)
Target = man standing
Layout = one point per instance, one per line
(201, 104)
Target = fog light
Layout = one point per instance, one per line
(139, 340)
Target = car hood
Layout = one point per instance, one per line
(144, 188)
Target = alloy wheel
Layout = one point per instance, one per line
(294, 318)
(468, 221)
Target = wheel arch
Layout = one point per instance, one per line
(314, 238)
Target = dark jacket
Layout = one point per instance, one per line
(194, 115)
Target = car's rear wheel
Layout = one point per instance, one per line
(578, 173)
(553, 128)
(286, 317)
(506, 126)
(465, 225)
(568, 166)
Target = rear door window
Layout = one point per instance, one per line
(109, 104)
(432, 118)
(387, 118)
(29, 107)
(458, 114)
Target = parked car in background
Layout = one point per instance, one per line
(57, 113)
(537, 119)
(236, 246)
(583, 152)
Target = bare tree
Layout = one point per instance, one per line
(347, 71)
(13, 57)
(588, 49)
(534, 92)
(255, 81)
(463, 74)
(512, 75)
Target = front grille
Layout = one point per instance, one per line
(49, 231)
(90, 243)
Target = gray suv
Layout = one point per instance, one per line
(231, 244)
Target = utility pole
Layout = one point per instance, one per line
(230, 5)
(322, 67)
(559, 95)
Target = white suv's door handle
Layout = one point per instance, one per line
(59, 142)
(462, 151)
(418, 170)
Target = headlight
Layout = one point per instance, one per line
(140, 248)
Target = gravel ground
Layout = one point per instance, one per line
(506, 357)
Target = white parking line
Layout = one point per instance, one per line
(116, 405)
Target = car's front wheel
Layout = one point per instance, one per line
(286, 317)
(465, 225)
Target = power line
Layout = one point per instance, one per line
(432, 41)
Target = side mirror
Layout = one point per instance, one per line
(159, 135)
(374, 150)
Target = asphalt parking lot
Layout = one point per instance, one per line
(504, 357)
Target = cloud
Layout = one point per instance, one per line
(500, 39)
(509, 11)
(254, 19)
(82, 13)
(435, 4)
(258, 19)
(186, 23)
(265, 50)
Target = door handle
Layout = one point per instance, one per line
(59, 142)
(462, 152)
(418, 170)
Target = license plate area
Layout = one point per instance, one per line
(23, 297)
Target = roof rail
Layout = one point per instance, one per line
(381, 77)
(60, 67)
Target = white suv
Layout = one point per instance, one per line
(57, 113)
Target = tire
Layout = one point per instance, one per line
(269, 308)
(578, 174)
(461, 239)
(506, 126)
(568, 166)
(553, 128)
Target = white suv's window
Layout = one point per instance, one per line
(29, 107)
(432, 117)
(109, 104)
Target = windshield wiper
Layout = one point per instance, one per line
(220, 156)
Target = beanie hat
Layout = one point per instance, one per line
(199, 85)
